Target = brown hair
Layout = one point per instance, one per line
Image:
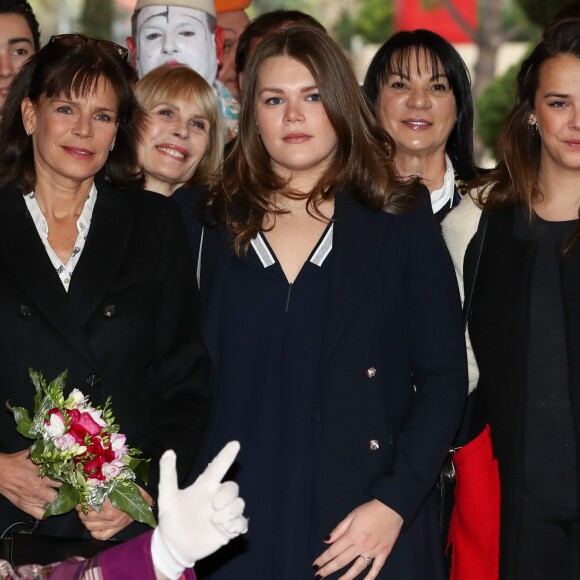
(361, 161)
(514, 180)
(168, 84)
(70, 65)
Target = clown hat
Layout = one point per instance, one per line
(203, 5)
(228, 5)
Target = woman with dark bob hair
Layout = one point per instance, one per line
(341, 376)
(96, 278)
(421, 90)
(525, 310)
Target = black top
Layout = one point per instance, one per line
(549, 441)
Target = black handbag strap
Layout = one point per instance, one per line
(470, 274)
(470, 269)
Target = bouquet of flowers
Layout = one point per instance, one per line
(80, 445)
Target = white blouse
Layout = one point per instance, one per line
(64, 271)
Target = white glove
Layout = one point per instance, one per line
(196, 521)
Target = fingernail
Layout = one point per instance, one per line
(327, 539)
(315, 567)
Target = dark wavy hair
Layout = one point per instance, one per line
(395, 57)
(65, 66)
(361, 160)
(24, 9)
(514, 180)
(265, 23)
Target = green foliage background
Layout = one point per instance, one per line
(497, 99)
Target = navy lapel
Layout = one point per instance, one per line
(216, 256)
(26, 258)
(104, 251)
(357, 242)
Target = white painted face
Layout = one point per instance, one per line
(174, 35)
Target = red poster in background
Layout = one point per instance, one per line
(433, 15)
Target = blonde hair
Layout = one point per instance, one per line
(168, 84)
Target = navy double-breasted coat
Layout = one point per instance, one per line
(393, 371)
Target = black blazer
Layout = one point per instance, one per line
(128, 327)
(393, 306)
(498, 329)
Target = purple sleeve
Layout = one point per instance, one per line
(131, 559)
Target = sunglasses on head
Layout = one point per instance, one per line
(76, 39)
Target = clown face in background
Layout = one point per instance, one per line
(175, 32)
(233, 20)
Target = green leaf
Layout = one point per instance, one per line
(140, 468)
(55, 390)
(36, 451)
(23, 421)
(66, 499)
(39, 384)
(127, 498)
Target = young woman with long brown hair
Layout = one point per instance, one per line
(332, 319)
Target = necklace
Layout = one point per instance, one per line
(285, 206)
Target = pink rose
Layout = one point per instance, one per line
(96, 415)
(118, 441)
(111, 470)
(65, 442)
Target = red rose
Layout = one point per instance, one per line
(81, 425)
(56, 412)
(93, 468)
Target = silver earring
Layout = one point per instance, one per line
(112, 147)
(533, 128)
(28, 133)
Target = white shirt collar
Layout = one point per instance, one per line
(64, 271)
(41, 224)
(443, 195)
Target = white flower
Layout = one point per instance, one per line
(92, 482)
(78, 399)
(56, 426)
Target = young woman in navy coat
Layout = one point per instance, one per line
(331, 314)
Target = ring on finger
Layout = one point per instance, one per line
(368, 561)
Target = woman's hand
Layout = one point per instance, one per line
(109, 521)
(21, 484)
(369, 531)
